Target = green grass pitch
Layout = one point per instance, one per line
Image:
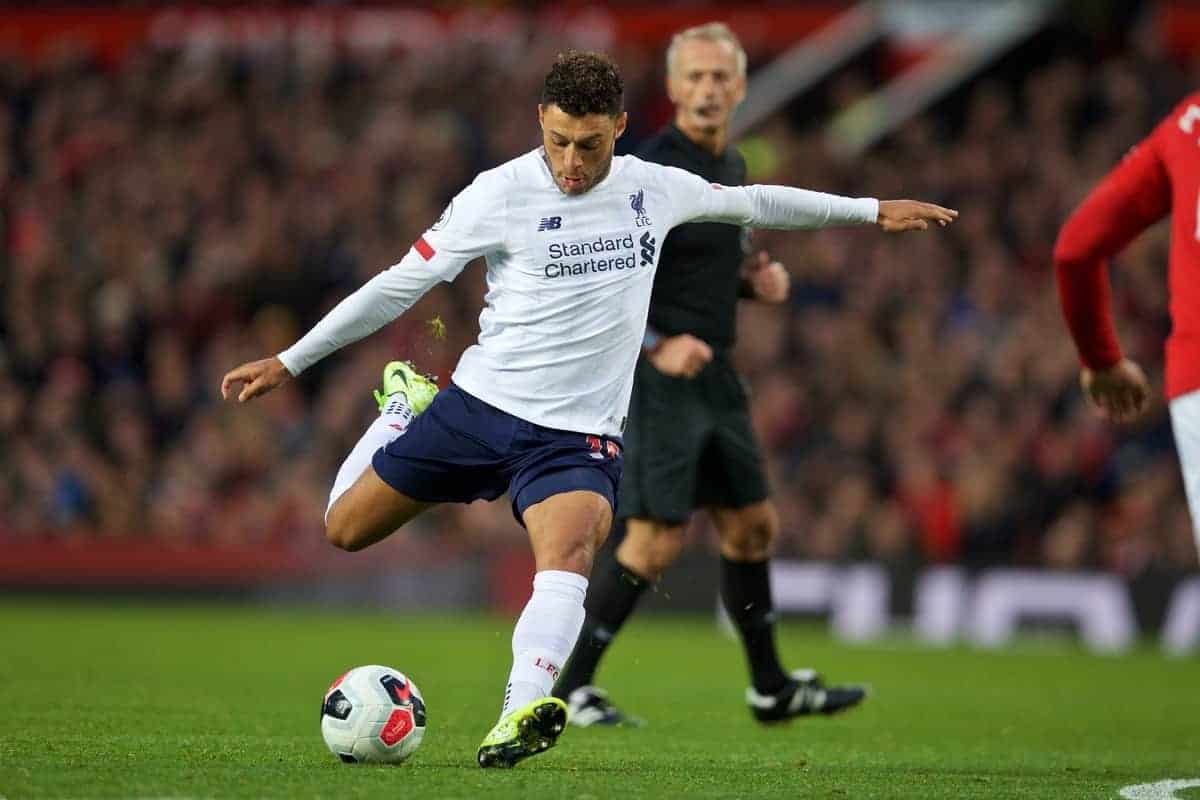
(105, 700)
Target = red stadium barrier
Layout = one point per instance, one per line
(110, 34)
(107, 33)
(1180, 26)
(96, 562)
(87, 562)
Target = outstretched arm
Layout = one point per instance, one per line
(378, 302)
(785, 207)
(470, 227)
(898, 216)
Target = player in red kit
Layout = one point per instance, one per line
(1159, 176)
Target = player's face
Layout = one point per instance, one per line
(579, 149)
(704, 84)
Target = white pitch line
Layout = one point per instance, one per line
(1163, 790)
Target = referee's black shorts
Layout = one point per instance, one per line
(689, 444)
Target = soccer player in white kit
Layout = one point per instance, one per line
(536, 407)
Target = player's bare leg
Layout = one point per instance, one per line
(649, 547)
(747, 537)
(565, 531)
(363, 508)
(368, 512)
(747, 534)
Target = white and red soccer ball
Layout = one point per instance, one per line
(373, 714)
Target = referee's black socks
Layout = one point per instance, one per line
(612, 595)
(746, 592)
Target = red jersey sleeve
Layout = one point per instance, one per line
(1130, 198)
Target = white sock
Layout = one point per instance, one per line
(544, 636)
(393, 421)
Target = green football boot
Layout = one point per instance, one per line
(524, 733)
(402, 377)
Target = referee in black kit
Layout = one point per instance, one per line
(689, 443)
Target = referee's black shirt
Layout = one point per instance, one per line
(699, 271)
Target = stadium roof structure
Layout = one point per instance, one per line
(944, 43)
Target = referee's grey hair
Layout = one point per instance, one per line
(709, 32)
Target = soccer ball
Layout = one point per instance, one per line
(373, 714)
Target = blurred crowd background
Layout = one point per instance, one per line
(167, 217)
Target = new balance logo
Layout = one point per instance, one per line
(550, 224)
(648, 244)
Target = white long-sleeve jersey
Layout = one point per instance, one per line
(568, 279)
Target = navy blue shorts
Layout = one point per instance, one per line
(462, 449)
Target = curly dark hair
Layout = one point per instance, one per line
(582, 83)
